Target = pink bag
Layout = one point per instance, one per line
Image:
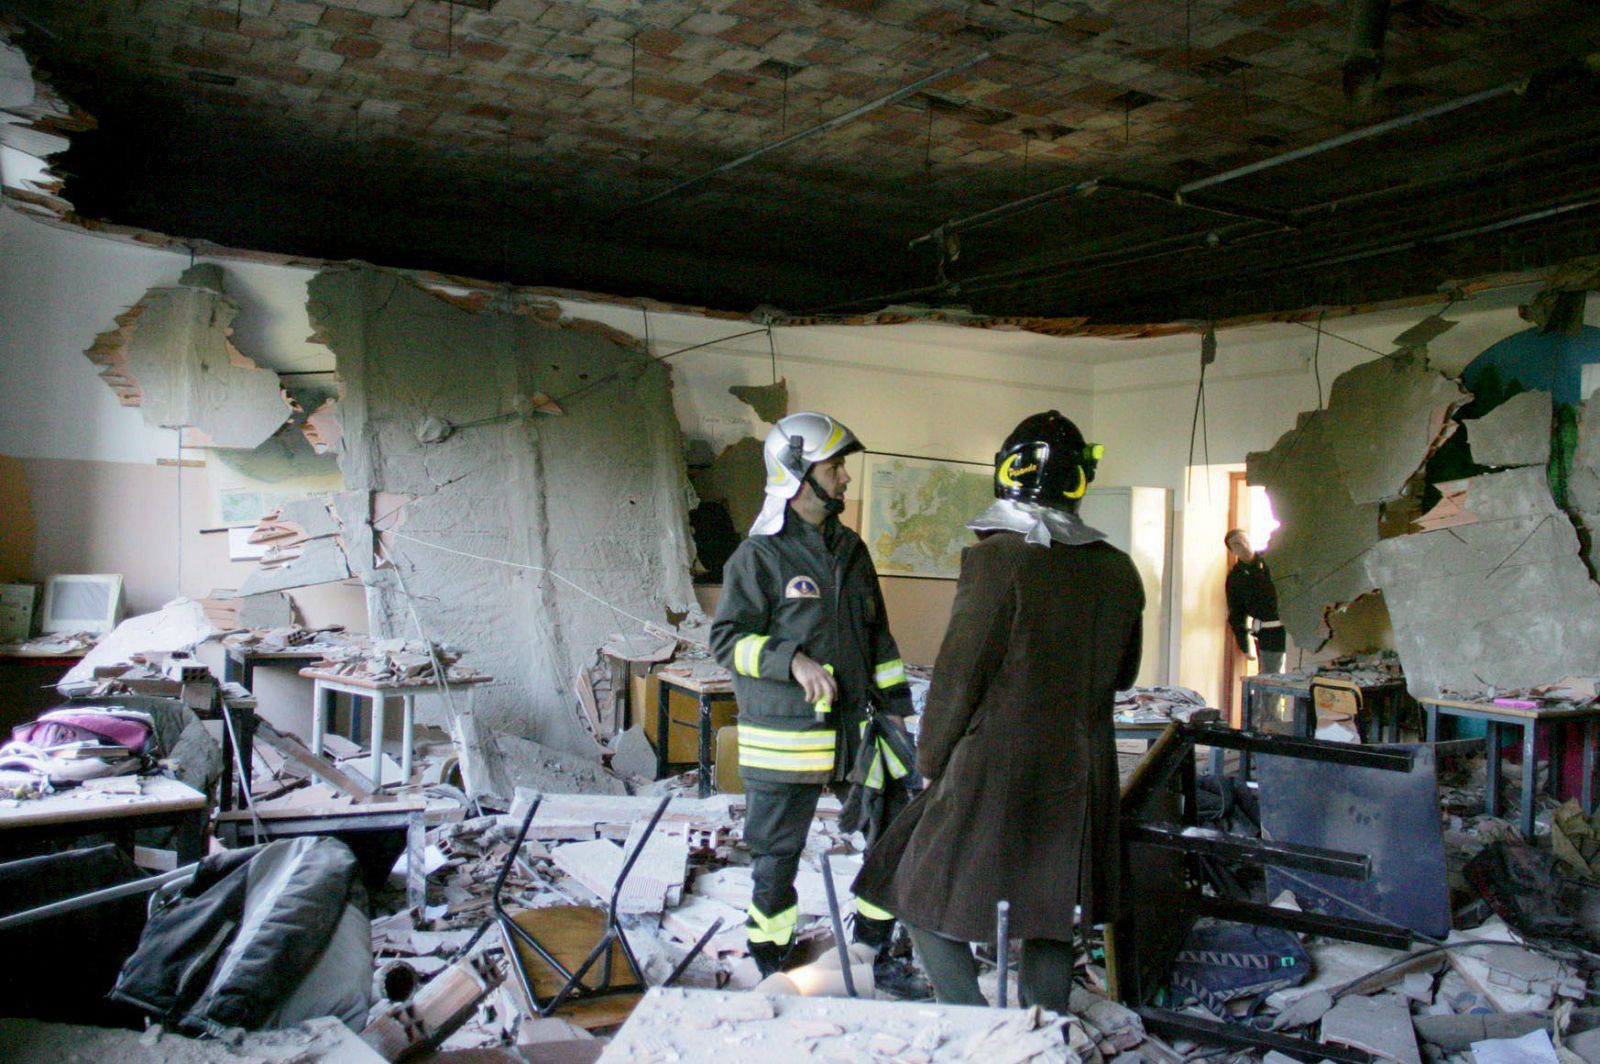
(123, 727)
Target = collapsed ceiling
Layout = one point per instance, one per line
(559, 143)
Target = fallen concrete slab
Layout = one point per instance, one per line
(1503, 602)
(1381, 1027)
(1515, 433)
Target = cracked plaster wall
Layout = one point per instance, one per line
(1499, 599)
(1503, 602)
(599, 493)
(1316, 554)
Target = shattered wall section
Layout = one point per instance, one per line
(171, 356)
(1502, 601)
(1317, 553)
(305, 547)
(1583, 478)
(1515, 433)
(1385, 417)
(598, 493)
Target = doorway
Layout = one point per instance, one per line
(1249, 508)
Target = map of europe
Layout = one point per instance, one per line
(916, 510)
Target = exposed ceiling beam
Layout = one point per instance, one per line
(1350, 138)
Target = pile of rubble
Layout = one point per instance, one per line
(287, 637)
(1367, 670)
(410, 662)
(690, 886)
(1161, 705)
(1569, 692)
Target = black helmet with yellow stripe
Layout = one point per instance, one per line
(1046, 460)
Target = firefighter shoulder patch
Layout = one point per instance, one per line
(801, 587)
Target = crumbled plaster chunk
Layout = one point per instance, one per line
(1515, 433)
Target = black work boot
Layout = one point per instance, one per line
(892, 970)
(770, 957)
(899, 978)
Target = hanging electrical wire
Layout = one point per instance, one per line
(563, 400)
(1316, 358)
(177, 592)
(1208, 355)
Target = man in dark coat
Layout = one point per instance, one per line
(1253, 601)
(1017, 742)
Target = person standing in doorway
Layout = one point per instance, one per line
(802, 626)
(1253, 604)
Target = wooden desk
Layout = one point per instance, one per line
(27, 683)
(66, 816)
(705, 692)
(239, 666)
(377, 832)
(1529, 720)
(328, 684)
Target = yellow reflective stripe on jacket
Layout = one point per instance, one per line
(889, 673)
(871, 911)
(747, 655)
(777, 929)
(897, 768)
(786, 751)
(885, 756)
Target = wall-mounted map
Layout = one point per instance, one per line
(914, 513)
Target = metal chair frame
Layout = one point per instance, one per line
(574, 988)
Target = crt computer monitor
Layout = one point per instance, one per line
(90, 602)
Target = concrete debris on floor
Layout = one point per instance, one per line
(323, 1039)
(680, 1025)
(409, 662)
(445, 973)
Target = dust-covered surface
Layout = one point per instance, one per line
(1515, 433)
(1317, 554)
(671, 1025)
(1504, 601)
(1384, 418)
(597, 493)
(32, 1042)
(171, 356)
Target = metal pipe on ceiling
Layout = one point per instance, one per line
(1089, 187)
(1304, 263)
(832, 123)
(1039, 199)
(1006, 210)
(1349, 138)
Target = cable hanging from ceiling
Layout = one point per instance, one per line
(1208, 355)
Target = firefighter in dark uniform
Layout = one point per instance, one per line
(818, 677)
(1253, 601)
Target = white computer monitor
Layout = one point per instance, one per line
(90, 602)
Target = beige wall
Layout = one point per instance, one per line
(125, 517)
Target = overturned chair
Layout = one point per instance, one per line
(554, 949)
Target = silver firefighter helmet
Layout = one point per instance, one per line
(792, 447)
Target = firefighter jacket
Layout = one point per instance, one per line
(814, 589)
